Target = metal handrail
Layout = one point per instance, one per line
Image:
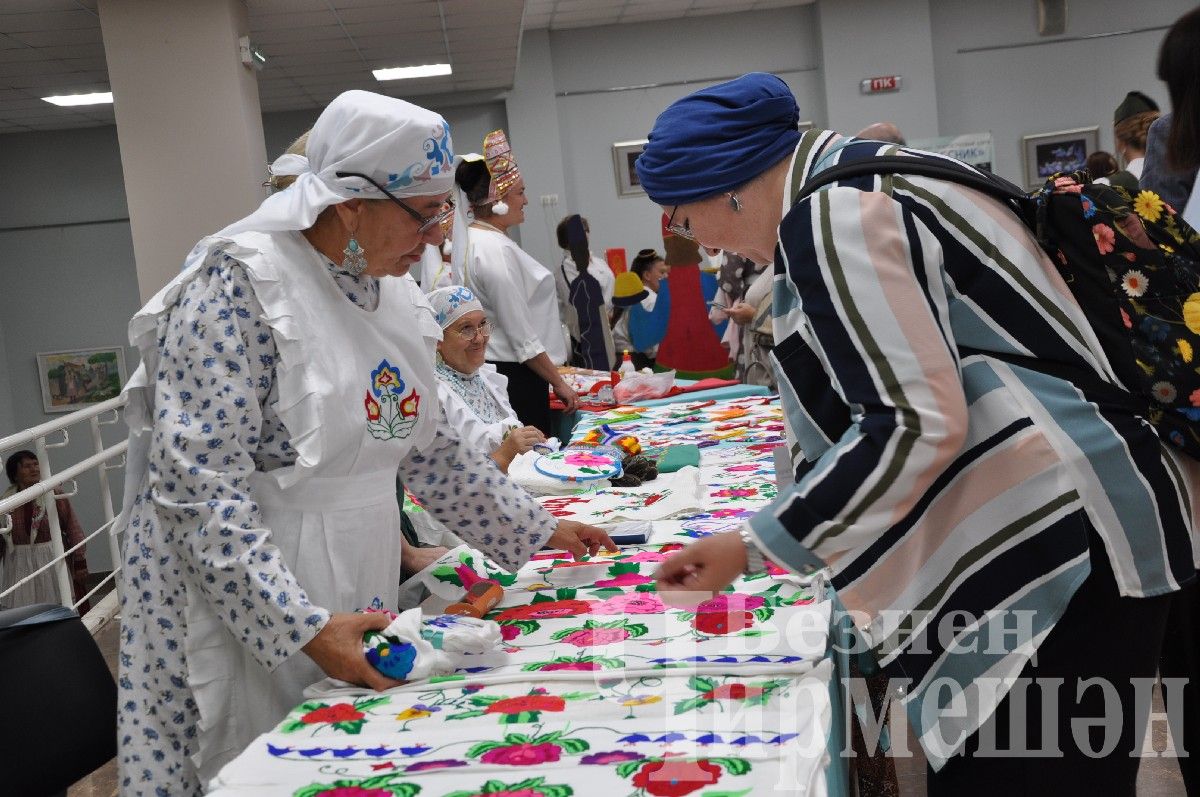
(101, 461)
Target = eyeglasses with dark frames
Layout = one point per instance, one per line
(425, 223)
(684, 230)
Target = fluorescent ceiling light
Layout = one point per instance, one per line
(405, 72)
(98, 98)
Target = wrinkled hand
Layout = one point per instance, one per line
(579, 539)
(338, 649)
(741, 313)
(701, 569)
(521, 440)
(567, 395)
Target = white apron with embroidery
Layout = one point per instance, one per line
(357, 392)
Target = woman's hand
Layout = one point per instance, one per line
(741, 313)
(338, 649)
(580, 539)
(701, 569)
(565, 394)
(521, 440)
(415, 558)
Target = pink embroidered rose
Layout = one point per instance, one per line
(646, 556)
(1105, 238)
(508, 632)
(354, 791)
(631, 603)
(735, 492)
(624, 580)
(587, 637)
(522, 755)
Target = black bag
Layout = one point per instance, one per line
(59, 701)
(1133, 265)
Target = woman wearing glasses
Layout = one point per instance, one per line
(518, 293)
(473, 394)
(284, 383)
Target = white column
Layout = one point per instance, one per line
(534, 135)
(188, 123)
(871, 38)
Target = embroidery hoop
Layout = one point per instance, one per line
(555, 465)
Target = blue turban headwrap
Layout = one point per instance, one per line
(718, 138)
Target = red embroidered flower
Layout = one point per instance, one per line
(733, 692)
(722, 622)
(509, 632)
(354, 791)
(545, 610)
(587, 637)
(372, 407)
(1105, 238)
(338, 712)
(522, 755)
(727, 601)
(569, 665)
(516, 705)
(676, 778)
(624, 580)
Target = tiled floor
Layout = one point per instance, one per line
(1158, 777)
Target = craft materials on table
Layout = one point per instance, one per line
(597, 686)
(579, 464)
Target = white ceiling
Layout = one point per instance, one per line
(316, 48)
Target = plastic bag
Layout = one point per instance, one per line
(644, 386)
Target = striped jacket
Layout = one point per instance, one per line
(933, 483)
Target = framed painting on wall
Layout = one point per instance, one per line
(1063, 151)
(73, 379)
(624, 154)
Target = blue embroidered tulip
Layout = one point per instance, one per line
(394, 661)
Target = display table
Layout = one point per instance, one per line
(601, 689)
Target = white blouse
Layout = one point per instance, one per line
(519, 297)
(456, 394)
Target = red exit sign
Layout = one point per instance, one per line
(877, 85)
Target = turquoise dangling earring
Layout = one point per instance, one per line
(355, 260)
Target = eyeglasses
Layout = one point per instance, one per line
(470, 333)
(425, 223)
(684, 230)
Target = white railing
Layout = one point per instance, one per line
(101, 461)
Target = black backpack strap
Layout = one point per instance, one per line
(989, 184)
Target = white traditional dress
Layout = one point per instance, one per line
(276, 402)
(476, 406)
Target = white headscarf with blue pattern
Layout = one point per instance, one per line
(452, 303)
(403, 147)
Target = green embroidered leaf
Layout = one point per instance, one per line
(752, 632)
(528, 783)
(350, 727)
(520, 716)
(565, 632)
(734, 766)
(741, 793)
(701, 684)
(311, 705)
(441, 679)
(604, 593)
(405, 790)
(578, 695)
(763, 613)
(291, 726)
(565, 594)
(759, 700)
(542, 597)
(484, 700)
(755, 576)
(684, 706)
(556, 790)
(446, 573)
(636, 629)
(545, 737)
(493, 786)
(371, 702)
(525, 626)
(502, 578)
(624, 567)
(482, 747)
(465, 715)
(675, 665)
(517, 738)
(648, 587)
(574, 746)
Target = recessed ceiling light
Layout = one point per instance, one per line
(97, 98)
(405, 72)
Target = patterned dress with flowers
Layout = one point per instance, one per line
(217, 422)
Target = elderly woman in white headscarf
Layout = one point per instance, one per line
(284, 382)
(473, 393)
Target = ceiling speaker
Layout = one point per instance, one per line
(1052, 17)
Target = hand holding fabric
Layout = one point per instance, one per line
(337, 649)
(701, 569)
(413, 648)
(580, 539)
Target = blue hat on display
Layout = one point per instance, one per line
(718, 138)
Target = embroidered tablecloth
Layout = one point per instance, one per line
(600, 689)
